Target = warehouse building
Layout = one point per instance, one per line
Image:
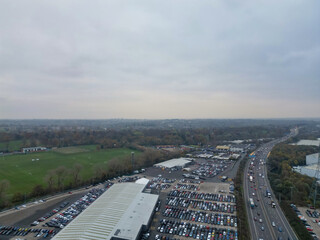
(121, 213)
(311, 165)
(175, 163)
(306, 142)
(222, 148)
(312, 159)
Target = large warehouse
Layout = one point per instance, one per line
(177, 162)
(311, 165)
(122, 212)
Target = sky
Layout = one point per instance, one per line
(159, 59)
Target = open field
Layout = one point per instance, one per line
(25, 171)
(13, 146)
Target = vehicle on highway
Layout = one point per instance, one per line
(251, 202)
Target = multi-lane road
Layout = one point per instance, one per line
(266, 222)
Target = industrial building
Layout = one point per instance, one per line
(121, 213)
(312, 159)
(311, 165)
(176, 162)
(222, 148)
(308, 142)
(33, 149)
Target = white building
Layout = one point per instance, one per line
(311, 165)
(312, 159)
(33, 149)
(121, 213)
(308, 143)
(176, 162)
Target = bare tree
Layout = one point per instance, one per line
(4, 185)
(61, 174)
(100, 171)
(49, 178)
(77, 167)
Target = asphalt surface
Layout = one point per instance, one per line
(272, 220)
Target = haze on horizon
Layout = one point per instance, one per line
(159, 59)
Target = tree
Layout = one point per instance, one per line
(60, 174)
(4, 185)
(49, 178)
(38, 190)
(100, 171)
(77, 167)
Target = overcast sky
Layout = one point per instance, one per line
(159, 59)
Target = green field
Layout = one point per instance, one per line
(24, 174)
(13, 146)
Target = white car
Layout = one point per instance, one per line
(273, 224)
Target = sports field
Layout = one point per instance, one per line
(26, 170)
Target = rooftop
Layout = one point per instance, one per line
(176, 162)
(120, 211)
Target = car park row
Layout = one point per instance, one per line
(17, 231)
(199, 216)
(203, 196)
(211, 168)
(160, 183)
(311, 214)
(187, 187)
(201, 232)
(59, 221)
(203, 205)
(62, 219)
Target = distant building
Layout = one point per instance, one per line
(176, 162)
(234, 156)
(312, 159)
(236, 149)
(205, 155)
(223, 147)
(311, 165)
(308, 143)
(33, 149)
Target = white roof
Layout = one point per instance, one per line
(309, 142)
(176, 162)
(144, 181)
(120, 211)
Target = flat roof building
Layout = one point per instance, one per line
(121, 213)
(308, 142)
(222, 147)
(312, 159)
(176, 162)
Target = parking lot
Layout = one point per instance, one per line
(312, 220)
(193, 207)
(53, 217)
(188, 208)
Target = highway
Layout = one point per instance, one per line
(266, 222)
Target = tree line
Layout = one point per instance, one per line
(290, 186)
(113, 138)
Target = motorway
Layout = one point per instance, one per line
(265, 221)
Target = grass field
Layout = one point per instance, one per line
(13, 146)
(24, 174)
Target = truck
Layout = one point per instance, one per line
(268, 194)
(251, 202)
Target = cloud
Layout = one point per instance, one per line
(73, 58)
